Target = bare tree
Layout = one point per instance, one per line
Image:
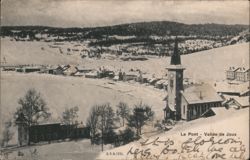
(106, 123)
(70, 115)
(141, 114)
(123, 111)
(33, 107)
(101, 119)
(92, 122)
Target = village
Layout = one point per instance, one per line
(202, 100)
(235, 84)
(139, 80)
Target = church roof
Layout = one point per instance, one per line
(201, 93)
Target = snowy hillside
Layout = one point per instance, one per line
(199, 65)
(156, 148)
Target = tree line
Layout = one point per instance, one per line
(159, 28)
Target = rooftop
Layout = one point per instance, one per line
(201, 93)
(242, 69)
(243, 101)
(233, 69)
(225, 87)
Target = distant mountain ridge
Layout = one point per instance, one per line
(159, 28)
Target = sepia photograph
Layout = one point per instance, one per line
(124, 79)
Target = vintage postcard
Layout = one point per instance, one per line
(124, 80)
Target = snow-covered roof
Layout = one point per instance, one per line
(225, 87)
(217, 111)
(242, 69)
(153, 80)
(161, 81)
(148, 76)
(243, 101)
(71, 69)
(79, 74)
(80, 68)
(201, 93)
(233, 69)
(116, 77)
(94, 73)
(132, 73)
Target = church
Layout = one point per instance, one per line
(186, 103)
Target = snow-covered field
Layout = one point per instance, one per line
(72, 150)
(60, 92)
(206, 65)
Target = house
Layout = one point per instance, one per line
(106, 73)
(160, 84)
(242, 74)
(9, 68)
(116, 78)
(145, 78)
(79, 74)
(238, 102)
(19, 69)
(93, 74)
(69, 70)
(130, 76)
(83, 69)
(48, 70)
(230, 73)
(152, 81)
(64, 67)
(58, 70)
(233, 89)
(189, 103)
(32, 69)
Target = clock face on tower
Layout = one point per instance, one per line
(179, 75)
(171, 75)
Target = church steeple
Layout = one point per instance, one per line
(175, 86)
(175, 58)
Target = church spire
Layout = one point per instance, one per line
(175, 58)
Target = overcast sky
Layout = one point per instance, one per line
(86, 13)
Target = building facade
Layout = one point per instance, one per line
(231, 73)
(238, 74)
(242, 74)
